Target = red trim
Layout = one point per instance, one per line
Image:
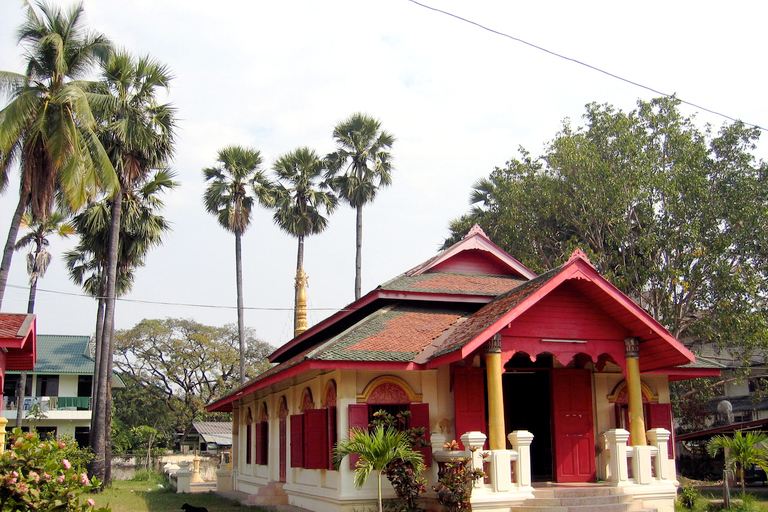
(225, 404)
(685, 373)
(474, 240)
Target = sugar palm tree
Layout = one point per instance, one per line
(48, 127)
(357, 169)
(137, 133)
(38, 260)
(236, 185)
(299, 200)
(741, 451)
(376, 450)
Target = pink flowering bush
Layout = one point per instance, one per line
(37, 475)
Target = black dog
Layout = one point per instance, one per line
(191, 508)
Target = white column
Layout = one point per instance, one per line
(521, 442)
(659, 437)
(616, 440)
(474, 442)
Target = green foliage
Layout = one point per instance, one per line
(454, 487)
(670, 213)
(39, 475)
(741, 451)
(184, 365)
(408, 483)
(687, 496)
(377, 449)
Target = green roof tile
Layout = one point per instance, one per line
(63, 354)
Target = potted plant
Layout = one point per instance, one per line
(454, 486)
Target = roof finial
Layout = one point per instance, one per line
(579, 254)
(475, 230)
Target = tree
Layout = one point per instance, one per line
(669, 212)
(357, 169)
(38, 260)
(741, 451)
(137, 132)
(299, 200)
(137, 405)
(236, 185)
(190, 364)
(48, 127)
(377, 449)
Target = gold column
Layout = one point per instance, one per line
(496, 439)
(634, 390)
(301, 302)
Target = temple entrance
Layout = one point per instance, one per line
(556, 407)
(527, 407)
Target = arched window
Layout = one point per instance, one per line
(306, 400)
(393, 395)
(656, 415)
(313, 432)
(262, 436)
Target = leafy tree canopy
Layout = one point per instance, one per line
(673, 214)
(185, 365)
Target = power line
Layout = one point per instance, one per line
(180, 304)
(576, 61)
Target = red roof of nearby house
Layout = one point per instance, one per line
(18, 336)
(447, 308)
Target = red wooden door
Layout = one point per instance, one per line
(469, 401)
(283, 448)
(573, 431)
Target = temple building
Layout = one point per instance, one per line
(553, 378)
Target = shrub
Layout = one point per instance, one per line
(687, 496)
(37, 475)
(454, 487)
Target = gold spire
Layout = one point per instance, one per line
(301, 302)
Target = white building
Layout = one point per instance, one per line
(59, 388)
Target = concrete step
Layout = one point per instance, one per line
(583, 500)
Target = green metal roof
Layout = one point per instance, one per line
(63, 354)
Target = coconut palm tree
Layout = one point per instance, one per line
(376, 450)
(299, 200)
(38, 260)
(48, 127)
(137, 133)
(357, 169)
(741, 451)
(236, 185)
(38, 257)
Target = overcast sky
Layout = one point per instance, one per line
(460, 100)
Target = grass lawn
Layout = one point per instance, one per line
(147, 497)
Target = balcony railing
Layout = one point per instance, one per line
(49, 403)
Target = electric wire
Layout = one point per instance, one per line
(181, 304)
(576, 61)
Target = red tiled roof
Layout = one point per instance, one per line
(468, 283)
(410, 332)
(10, 324)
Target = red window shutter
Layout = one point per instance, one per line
(263, 440)
(358, 418)
(333, 435)
(248, 443)
(297, 440)
(469, 401)
(315, 438)
(259, 445)
(660, 416)
(420, 418)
